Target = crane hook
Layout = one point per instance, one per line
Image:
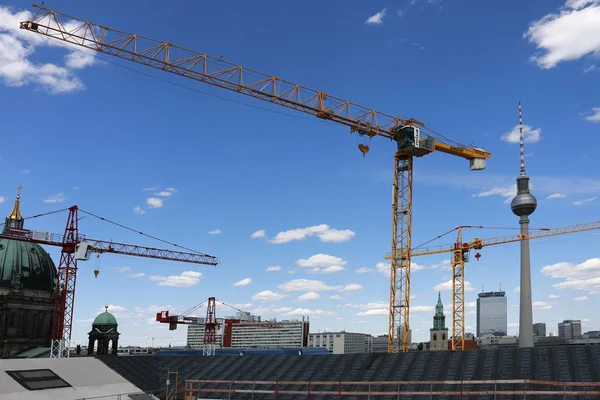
(364, 149)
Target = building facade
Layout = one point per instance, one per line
(438, 335)
(27, 284)
(570, 329)
(539, 329)
(195, 334)
(269, 334)
(340, 342)
(491, 314)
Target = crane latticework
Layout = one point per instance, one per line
(458, 294)
(398, 337)
(62, 320)
(364, 121)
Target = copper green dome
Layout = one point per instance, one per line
(24, 265)
(105, 319)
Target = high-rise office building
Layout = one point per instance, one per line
(491, 314)
(539, 329)
(569, 329)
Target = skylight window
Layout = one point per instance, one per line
(38, 379)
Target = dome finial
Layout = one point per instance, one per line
(106, 308)
(14, 219)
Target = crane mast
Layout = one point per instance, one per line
(408, 133)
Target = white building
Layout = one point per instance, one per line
(269, 334)
(340, 342)
(195, 335)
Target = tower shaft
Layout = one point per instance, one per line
(526, 305)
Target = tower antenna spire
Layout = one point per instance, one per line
(521, 139)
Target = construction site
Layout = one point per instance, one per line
(239, 351)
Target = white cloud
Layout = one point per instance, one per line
(556, 196)
(581, 298)
(541, 305)
(26, 171)
(268, 296)
(352, 287)
(508, 192)
(569, 34)
(553, 296)
(17, 45)
(584, 201)
(584, 276)
(327, 270)
(376, 19)
(384, 267)
(111, 309)
(173, 190)
(421, 309)
(55, 198)
(517, 289)
(594, 117)
(320, 260)
(312, 313)
(529, 135)
(444, 265)
(185, 279)
(123, 269)
(243, 282)
(163, 193)
(138, 210)
(80, 59)
(148, 189)
(215, 232)
(363, 270)
(306, 285)
(336, 297)
(373, 312)
(324, 232)
(322, 264)
(154, 202)
(401, 13)
(273, 268)
(138, 275)
(447, 286)
(1, 199)
(259, 234)
(309, 296)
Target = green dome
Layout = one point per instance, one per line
(25, 265)
(105, 318)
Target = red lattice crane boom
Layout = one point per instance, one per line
(408, 133)
(76, 247)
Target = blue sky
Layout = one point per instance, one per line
(208, 169)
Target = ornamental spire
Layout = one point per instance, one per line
(14, 219)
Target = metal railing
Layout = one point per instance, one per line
(524, 388)
(121, 396)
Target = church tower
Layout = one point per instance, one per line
(438, 335)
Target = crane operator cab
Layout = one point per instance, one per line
(410, 141)
(83, 251)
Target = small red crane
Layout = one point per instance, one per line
(76, 247)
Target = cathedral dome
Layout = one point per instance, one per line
(105, 319)
(24, 265)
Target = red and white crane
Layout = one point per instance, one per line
(76, 247)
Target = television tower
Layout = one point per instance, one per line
(523, 205)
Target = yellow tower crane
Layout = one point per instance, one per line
(408, 133)
(460, 255)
